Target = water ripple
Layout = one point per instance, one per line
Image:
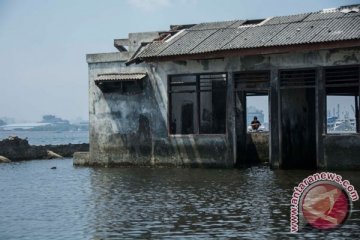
(102, 203)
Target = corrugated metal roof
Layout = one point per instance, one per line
(278, 31)
(217, 40)
(287, 19)
(297, 33)
(120, 76)
(212, 25)
(186, 43)
(340, 29)
(151, 49)
(255, 37)
(322, 16)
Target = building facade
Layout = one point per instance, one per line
(178, 97)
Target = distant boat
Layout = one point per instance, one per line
(335, 124)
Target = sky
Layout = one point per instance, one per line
(43, 43)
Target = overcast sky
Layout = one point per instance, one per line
(43, 42)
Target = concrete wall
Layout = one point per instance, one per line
(133, 129)
(257, 148)
(298, 128)
(342, 152)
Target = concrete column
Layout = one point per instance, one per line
(320, 112)
(241, 128)
(274, 115)
(230, 120)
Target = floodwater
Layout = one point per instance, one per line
(70, 202)
(49, 137)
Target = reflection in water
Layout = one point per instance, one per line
(101, 203)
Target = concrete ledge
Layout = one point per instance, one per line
(107, 57)
(81, 159)
(257, 148)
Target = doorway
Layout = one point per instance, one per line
(251, 100)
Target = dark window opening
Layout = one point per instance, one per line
(123, 87)
(298, 78)
(183, 104)
(197, 104)
(109, 87)
(342, 99)
(252, 22)
(252, 80)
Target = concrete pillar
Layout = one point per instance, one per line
(230, 120)
(320, 111)
(241, 128)
(274, 115)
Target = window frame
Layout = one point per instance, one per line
(356, 100)
(197, 98)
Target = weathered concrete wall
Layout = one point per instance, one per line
(298, 128)
(342, 152)
(257, 148)
(133, 129)
(81, 158)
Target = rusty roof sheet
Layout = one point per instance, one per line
(120, 76)
(278, 31)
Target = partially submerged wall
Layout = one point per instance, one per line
(342, 152)
(257, 148)
(134, 129)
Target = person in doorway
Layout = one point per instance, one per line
(255, 124)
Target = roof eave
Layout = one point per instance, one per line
(256, 51)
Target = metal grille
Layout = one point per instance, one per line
(213, 82)
(252, 80)
(297, 78)
(182, 84)
(342, 76)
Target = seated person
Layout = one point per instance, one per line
(255, 124)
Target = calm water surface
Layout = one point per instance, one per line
(49, 137)
(98, 203)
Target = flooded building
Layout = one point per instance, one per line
(178, 97)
